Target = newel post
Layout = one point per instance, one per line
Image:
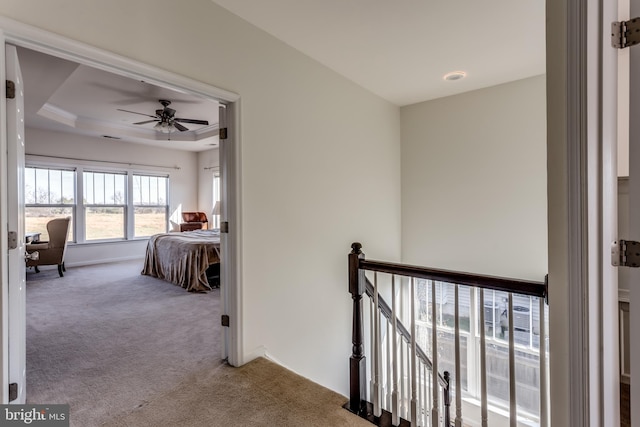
(357, 361)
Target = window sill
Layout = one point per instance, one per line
(108, 242)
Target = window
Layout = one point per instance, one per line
(526, 312)
(49, 193)
(150, 207)
(105, 202)
(215, 217)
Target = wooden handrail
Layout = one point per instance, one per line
(525, 287)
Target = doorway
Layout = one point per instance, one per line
(104, 61)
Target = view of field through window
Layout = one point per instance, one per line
(51, 193)
(150, 204)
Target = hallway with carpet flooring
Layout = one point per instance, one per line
(130, 350)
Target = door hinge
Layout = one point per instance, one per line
(13, 391)
(625, 253)
(223, 133)
(224, 227)
(225, 320)
(625, 33)
(13, 240)
(11, 90)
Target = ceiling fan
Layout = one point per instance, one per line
(166, 119)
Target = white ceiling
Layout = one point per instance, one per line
(64, 96)
(401, 49)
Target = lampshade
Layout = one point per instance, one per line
(216, 208)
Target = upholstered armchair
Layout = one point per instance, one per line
(51, 252)
(194, 221)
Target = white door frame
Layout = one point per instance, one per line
(27, 36)
(634, 209)
(4, 231)
(581, 151)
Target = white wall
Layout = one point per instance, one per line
(183, 193)
(474, 181)
(320, 163)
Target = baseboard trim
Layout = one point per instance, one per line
(103, 261)
(261, 351)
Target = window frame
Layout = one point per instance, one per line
(79, 207)
(86, 206)
(472, 337)
(166, 205)
(72, 206)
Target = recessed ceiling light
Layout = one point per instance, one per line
(455, 75)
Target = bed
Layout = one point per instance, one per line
(183, 258)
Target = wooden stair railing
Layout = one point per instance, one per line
(360, 285)
(405, 334)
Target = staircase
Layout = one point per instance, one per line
(450, 348)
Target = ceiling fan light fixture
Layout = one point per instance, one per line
(163, 127)
(165, 119)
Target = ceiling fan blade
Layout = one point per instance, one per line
(146, 121)
(135, 112)
(179, 127)
(194, 121)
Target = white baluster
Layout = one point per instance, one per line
(425, 395)
(414, 413)
(401, 355)
(513, 413)
(408, 382)
(457, 360)
(389, 381)
(472, 347)
(376, 353)
(434, 355)
(395, 419)
(372, 341)
(483, 363)
(418, 393)
(544, 381)
(401, 395)
(428, 413)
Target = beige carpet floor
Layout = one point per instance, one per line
(260, 393)
(129, 350)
